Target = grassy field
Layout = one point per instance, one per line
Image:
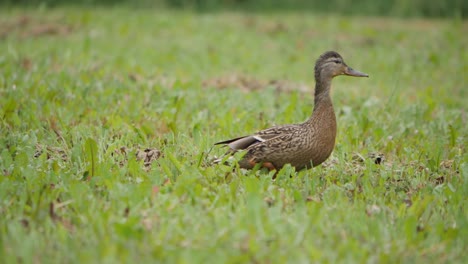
(108, 117)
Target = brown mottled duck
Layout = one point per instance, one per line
(303, 145)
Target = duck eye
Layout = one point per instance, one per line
(337, 61)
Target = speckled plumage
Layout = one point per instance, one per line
(303, 145)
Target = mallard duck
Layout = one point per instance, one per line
(303, 145)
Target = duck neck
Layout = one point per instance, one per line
(322, 94)
(323, 107)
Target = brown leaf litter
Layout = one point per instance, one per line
(376, 157)
(67, 224)
(446, 164)
(373, 209)
(51, 152)
(148, 156)
(151, 80)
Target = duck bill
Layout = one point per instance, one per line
(351, 72)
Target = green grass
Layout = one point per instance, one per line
(83, 90)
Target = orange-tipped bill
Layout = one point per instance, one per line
(349, 71)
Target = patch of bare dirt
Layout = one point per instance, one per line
(26, 64)
(267, 27)
(248, 84)
(274, 28)
(29, 27)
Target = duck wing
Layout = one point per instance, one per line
(245, 142)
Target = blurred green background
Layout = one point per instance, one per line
(404, 8)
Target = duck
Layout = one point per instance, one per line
(304, 145)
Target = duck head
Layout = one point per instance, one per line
(331, 64)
